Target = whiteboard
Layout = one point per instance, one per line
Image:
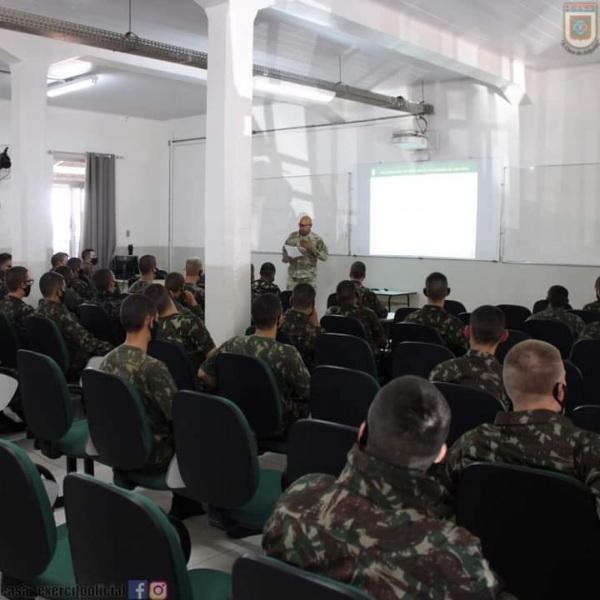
(551, 215)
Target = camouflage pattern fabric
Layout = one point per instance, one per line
(293, 379)
(375, 333)
(260, 287)
(198, 291)
(451, 328)
(476, 369)
(368, 299)
(16, 311)
(541, 439)
(593, 306)
(139, 287)
(111, 303)
(195, 311)
(156, 387)
(302, 333)
(591, 332)
(81, 344)
(304, 269)
(83, 288)
(378, 527)
(72, 300)
(188, 330)
(573, 322)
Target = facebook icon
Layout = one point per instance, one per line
(137, 589)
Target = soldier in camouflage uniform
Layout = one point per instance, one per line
(184, 300)
(304, 268)
(378, 526)
(80, 282)
(433, 315)
(478, 367)
(178, 327)
(5, 265)
(348, 306)
(366, 297)
(18, 285)
(150, 377)
(591, 332)
(301, 323)
(71, 299)
(536, 434)
(108, 296)
(558, 302)
(193, 280)
(265, 284)
(293, 379)
(595, 306)
(148, 269)
(81, 344)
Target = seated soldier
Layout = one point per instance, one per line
(90, 262)
(558, 303)
(595, 306)
(184, 300)
(81, 283)
(72, 300)
(301, 322)
(18, 285)
(293, 379)
(5, 265)
(479, 367)
(108, 296)
(591, 331)
(434, 315)
(367, 298)
(193, 279)
(379, 525)
(148, 269)
(265, 284)
(348, 306)
(59, 259)
(536, 434)
(180, 327)
(81, 344)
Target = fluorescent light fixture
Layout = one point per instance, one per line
(293, 91)
(71, 86)
(69, 69)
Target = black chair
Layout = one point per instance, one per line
(587, 417)
(282, 336)
(240, 494)
(469, 406)
(116, 534)
(341, 395)
(332, 300)
(465, 317)
(9, 345)
(264, 578)
(318, 447)
(341, 324)
(44, 337)
(338, 349)
(454, 307)
(418, 358)
(539, 530)
(174, 357)
(48, 409)
(575, 387)
(412, 332)
(514, 337)
(588, 316)
(514, 315)
(402, 312)
(285, 297)
(585, 354)
(97, 322)
(553, 332)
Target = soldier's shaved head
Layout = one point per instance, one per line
(558, 296)
(303, 296)
(193, 266)
(531, 370)
(436, 287)
(408, 423)
(159, 295)
(346, 293)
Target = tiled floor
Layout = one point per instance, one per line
(211, 548)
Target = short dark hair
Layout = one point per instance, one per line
(408, 422)
(303, 296)
(346, 292)
(66, 273)
(57, 258)
(558, 296)
(174, 282)
(134, 310)
(102, 278)
(5, 257)
(15, 277)
(50, 282)
(147, 264)
(267, 269)
(74, 263)
(159, 295)
(487, 324)
(265, 311)
(436, 286)
(86, 253)
(358, 269)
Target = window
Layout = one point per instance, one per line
(68, 193)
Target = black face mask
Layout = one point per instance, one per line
(94, 261)
(27, 290)
(555, 393)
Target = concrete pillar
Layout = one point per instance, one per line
(31, 172)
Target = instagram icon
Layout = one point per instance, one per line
(158, 590)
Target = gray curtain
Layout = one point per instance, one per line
(99, 221)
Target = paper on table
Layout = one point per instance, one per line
(293, 251)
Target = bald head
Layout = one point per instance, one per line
(305, 225)
(531, 371)
(408, 423)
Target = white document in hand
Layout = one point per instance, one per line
(293, 251)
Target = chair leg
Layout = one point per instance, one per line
(71, 464)
(88, 466)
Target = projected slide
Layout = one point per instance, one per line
(424, 210)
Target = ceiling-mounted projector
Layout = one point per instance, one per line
(410, 140)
